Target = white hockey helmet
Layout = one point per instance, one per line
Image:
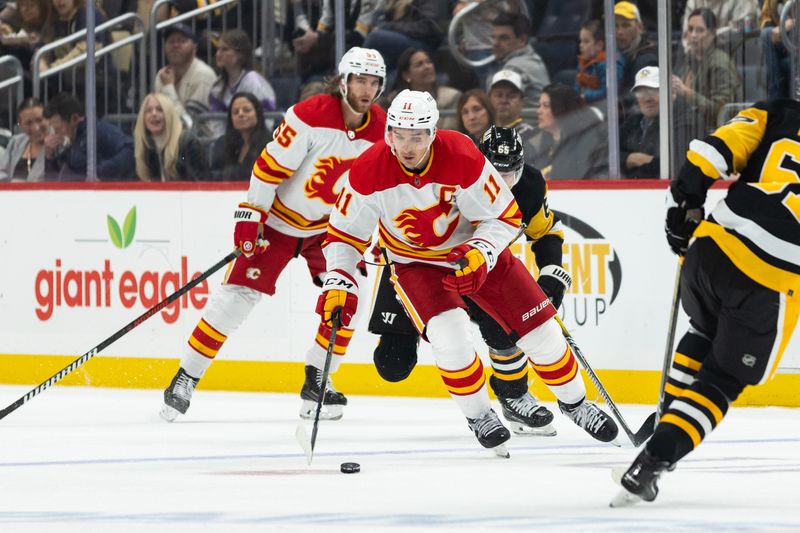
(414, 110)
(366, 61)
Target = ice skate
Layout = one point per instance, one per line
(178, 395)
(491, 433)
(594, 421)
(526, 417)
(332, 404)
(639, 482)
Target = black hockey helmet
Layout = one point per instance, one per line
(503, 148)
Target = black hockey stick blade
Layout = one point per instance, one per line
(58, 376)
(646, 431)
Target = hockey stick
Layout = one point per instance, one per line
(649, 425)
(668, 351)
(300, 432)
(121, 333)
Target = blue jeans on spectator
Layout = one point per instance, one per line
(391, 44)
(776, 59)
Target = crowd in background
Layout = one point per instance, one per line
(550, 58)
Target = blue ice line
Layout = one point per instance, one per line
(348, 453)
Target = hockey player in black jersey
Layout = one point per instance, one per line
(740, 280)
(396, 354)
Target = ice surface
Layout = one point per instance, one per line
(90, 459)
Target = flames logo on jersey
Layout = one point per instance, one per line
(328, 171)
(419, 225)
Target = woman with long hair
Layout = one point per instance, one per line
(24, 158)
(234, 58)
(572, 143)
(474, 113)
(707, 79)
(164, 151)
(245, 137)
(416, 71)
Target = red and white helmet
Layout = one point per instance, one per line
(365, 61)
(414, 110)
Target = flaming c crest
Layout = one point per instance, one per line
(419, 225)
(322, 181)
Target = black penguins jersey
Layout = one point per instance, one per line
(543, 226)
(757, 225)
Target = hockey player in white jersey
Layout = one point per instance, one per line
(445, 218)
(293, 187)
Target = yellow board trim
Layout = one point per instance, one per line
(625, 386)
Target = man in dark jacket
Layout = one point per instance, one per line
(639, 135)
(65, 145)
(637, 50)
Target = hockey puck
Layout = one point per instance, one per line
(350, 468)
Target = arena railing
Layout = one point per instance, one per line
(138, 66)
(13, 85)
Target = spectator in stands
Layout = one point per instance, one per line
(164, 148)
(235, 62)
(590, 81)
(476, 28)
(21, 35)
(68, 17)
(506, 95)
(475, 114)
(65, 145)
(637, 51)
(639, 134)
(707, 78)
(416, 71)
(513, 52)
(315, 47)
(24, 157)
(409, 24)
(246, 134)
(776, 57)
(731, 15)
(185, 79)
(573, 143)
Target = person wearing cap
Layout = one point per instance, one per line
(639, 134)
(513, 52)
(636, 49)
(185, 79)
(506, 94)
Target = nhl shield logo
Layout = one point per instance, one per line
(749, 360)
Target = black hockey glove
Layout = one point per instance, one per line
(554, 282)
(680, 226)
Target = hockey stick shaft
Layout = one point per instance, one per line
(335, 322)
(58, 376)
(668, 349)
(636, 438)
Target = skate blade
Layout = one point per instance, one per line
(329, 412)
(616, 443)
(501, 451)
(542, 431)
(624, 499)
(168, 413)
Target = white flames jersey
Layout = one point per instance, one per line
(297, 176)
(421, 216)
